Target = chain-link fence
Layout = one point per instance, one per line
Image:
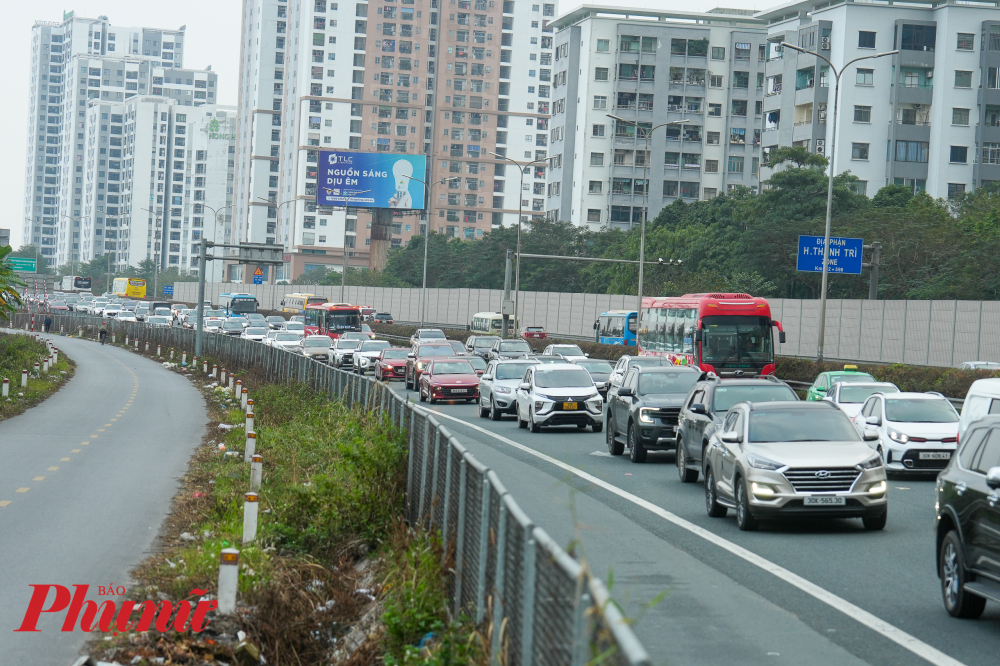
(544, 606)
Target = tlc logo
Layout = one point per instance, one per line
(107, 616)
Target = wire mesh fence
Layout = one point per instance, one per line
(544, 606)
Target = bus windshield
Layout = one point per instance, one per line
(343, 321)
(737, 341)
(243, 305)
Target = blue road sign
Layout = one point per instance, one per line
(168, 290)
(258, 279)
(845, 255)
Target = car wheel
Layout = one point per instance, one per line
(875, 523)
(422, 398)
(532, 426)
(597, 427)
(951, 569)
(715, 510)
(520, 423)
(409, 384)
(615, 447)
(495, 414)
(744, 519)
(483, 411)
(636, 451)
(686, 475)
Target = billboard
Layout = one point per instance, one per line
(345, 174)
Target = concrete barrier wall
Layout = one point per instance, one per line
(940, 333)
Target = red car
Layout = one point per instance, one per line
(449, 379)
(537, 332)
(418, 358)
(391, 363)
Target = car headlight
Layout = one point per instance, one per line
(645, 415)
(420, 365)
(762, 490)
(897, 436)
(872, 463)
(877, 488)
(502, 389)
(760, 462)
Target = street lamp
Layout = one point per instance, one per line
(343, 272)
(215, 212)
(156, 255)
(829, 188)
(427, 238)
(521, 166)
(645, 191)
(277, 218)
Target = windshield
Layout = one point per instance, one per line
(430, 335)
(157, 320)
(319, 341)
(851, 395)
(348, 344)
(510, 371)
(374, 345)
(734, 341)
(596, 366)
(395, 353)
(477, 362)
(453, 368)
(515, 346)
(365, 328)
(435, 350)
(484, 343)
(243, 305)
(666, 382)
(256, 316)
(727, 396)
(563, 378)
(215, 313)
(253, 330)
(163, 312)
(276, 320)
(787, 425)
(903, 410)
(341, 321)
(567, 350)
(286, 337)
(294, 326)
(534, 329)
(232, 326)
(852, 377)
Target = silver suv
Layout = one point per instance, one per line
(784, 459)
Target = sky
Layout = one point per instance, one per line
(213, 38)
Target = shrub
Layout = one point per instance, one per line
(951, 382)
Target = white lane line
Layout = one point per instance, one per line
(602, 454)
(896, 635)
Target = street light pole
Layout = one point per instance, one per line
(277, 236)
(215, 212)
(72, 254)
(427, 238)
(829, 187)
(521, 166)
(156, 254)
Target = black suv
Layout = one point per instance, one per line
(644, 409)
(968, 515)
(505, 350)
(706, 407)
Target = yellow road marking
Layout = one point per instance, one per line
(64, 459)
(75, 450)
(85, 443)
(22, 490)
(38, 478)
(114, 420)
(107, 424)
(94, 436)
(4, 502)
(100, 430)
(52, 469)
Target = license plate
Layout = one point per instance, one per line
(569, 405)
(824, 501)
(935, 455)
(460, 390)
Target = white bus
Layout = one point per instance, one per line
(488, 323)
(75, 283)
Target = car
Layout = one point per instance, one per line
(643, 411)
(269, 338)
(851, 396)
(141, 311)
(275, 322)
(243, 321)
(545, 358)
(535, 332)
(568, 352)
(825, 380)
(316, 347)
(391, 363)
(130, 305)
(232, 327)
(705, 408)
(97, 306)
(918, 432)
(477, 362)
(469, 342)
(967, 501)
(558, 394)
(459, 347)
(427, 335)
(256, 319)
(504, 349)
(158, 320)
(364, 357)
(125, 315)
(481, 344)
(625, 362)
(498, 385)
(419, 356)
(793, 460)
(255, 333)
(448, 379)
(600, 371)
(287, 340)
(298, 318)
(367, 330)
(982, 398)
(355, 335)
(382, 318)
(294, 327)
(59, 306)
(343, 351)
(980, 365)
(111, 310)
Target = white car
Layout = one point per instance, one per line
(568, 352)
(918, 432)
(851, 396)
(343, 351)
(255, 333)
(553, 394)
(158, 320)
(295, 327)
(498, 385)
(980, 365)
(364, 358)
(97, 306)
(285, 340)
(125, 315)
(428, 335)
(111, 310)
(269, 338)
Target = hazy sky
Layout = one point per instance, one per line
(213, 38)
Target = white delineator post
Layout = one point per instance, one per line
(229, 579)
(244, 394)
(38, 368)
(249, 425)
(222, 379)
(45, 365)
(249, 408)
(215, 371)
(24, 379)
(171, 353)
(249, 517)
(251, 446)
(256, 468)
(204, 367)
(147, 346)
(158, 351)
(231, 378)
(6, 389)
(239, 388)
(184, 358)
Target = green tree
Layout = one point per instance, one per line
(312, 276)
(10, 299)
(892, 196)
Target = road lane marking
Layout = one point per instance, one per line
(75, 450)
(113, 420)
(108, 425)
(4, 503)
(602, 454)
(38, 478)
(85, 443)
(22, 490)
(99, 430)
(52, 469)
(93, 436)
(863, 617)
(64, 459)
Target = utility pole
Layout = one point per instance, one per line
(876, 248)
(506, 292)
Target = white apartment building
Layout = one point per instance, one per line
(69, 68)
(158, 177)
(927, 117)
(703, 72)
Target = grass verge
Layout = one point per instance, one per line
(21, 352)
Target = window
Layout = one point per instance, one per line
(718, 53)
(859, 187)
(712, 138)
(711, 166)
(603, 45)
(738, 135)
(670, 188)
(595, 187)
(739, 107)
(600, 73)
(963, 79)
(911, 151)
(918, 37)
(959, 155)
(715, 81)
(966, 40)
(862, 114)
(955, 189)
(597, 159)
(991, 153)
(859, 151)
(866, 40)
(715, 110)
(600, 102)
(594, 214)
(959, 116)
(865, 77)
(598, 131)
(736, 163)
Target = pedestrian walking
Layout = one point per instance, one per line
(47, 323)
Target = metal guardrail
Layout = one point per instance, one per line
(546, 606)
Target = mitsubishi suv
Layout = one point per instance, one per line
(558, 394)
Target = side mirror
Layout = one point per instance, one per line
(731, 437)
(595, 325)
(698, 408)
(411, 355)
(871, 434)
(993, 478)
(625, 392)
(699, 335)
(821, 389)
(586, 354)
(781, 337)
(524, 386)
(873, 420)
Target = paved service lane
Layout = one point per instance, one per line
(812, 592)
(86, 480)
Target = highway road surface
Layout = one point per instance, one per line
(86, 480)
(823, 593)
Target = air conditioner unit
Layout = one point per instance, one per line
(820, 146)
(930, 73)
(824, 43)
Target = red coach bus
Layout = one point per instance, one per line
(332, 319)
(728, 334)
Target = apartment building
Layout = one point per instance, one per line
(927, 117)
(414, 76)
(701, 73)
(73, 61)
